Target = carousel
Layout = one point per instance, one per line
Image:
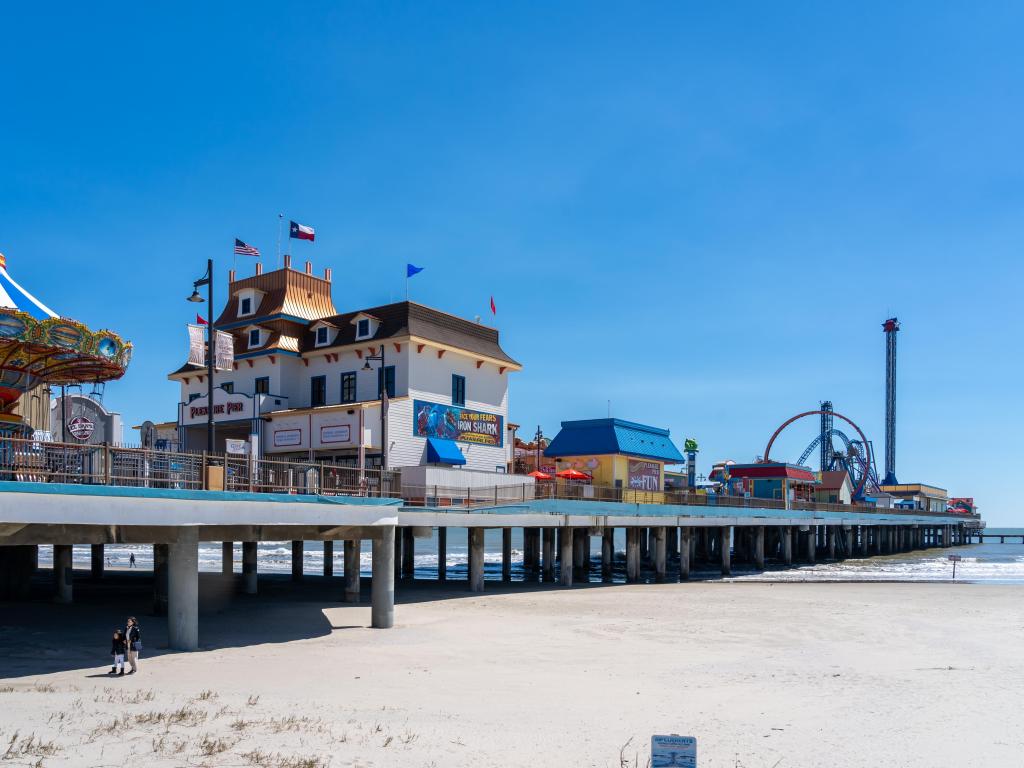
(37, 346)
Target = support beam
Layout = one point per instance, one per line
(408, 554)
(183, 590)
(660, 553)
(633, 554)
(812, 543)
(160, 579)
(506, 553)
(351, 565)
(63, 573)
(297, 561)
(328, 558)
(580, 555)
(787, 544)
(442, 554)
(685, 540)
(759, 547)
(607, 553)
(249, 567)
(830, 537)
(382, 588)
(96, 555)
(565, 572)
(476, 559)
(227, 558)
(725, 536)
(549, 554)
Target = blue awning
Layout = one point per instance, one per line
(443, 452)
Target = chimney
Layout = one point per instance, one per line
(259, 268)
(287, 261)
(327, 274)
(231, 275)
(309, 267)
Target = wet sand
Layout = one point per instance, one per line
(764, 675)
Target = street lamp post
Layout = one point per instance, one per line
(211, 358)
(381, 392)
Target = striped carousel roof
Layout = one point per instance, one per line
(13, 296)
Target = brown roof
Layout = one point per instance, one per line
(833, 481)
(406, 318)
(287, 291)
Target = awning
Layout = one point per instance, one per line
(443, 452)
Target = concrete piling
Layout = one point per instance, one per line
(759, 547)
(565, 572)
(660, 552)
(382, 588)
(249, 567)
(685, 543)
(607, 553)
(442, 554)
(724, 536)
(787, 544)
(227, 558)
(63, 573)
(830, 538)
(476, 559)
(549, 554)
(328, 558)
(351, 565)
(506, 553)
(297, 561)
(632, 554)
(96, 562)
(183, 590)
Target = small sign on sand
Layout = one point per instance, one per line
(954, 559)
(673, 750)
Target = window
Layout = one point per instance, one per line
(321, 336)
(262, 385)
(246, 307)
(228, 386)
(362, 329)
(388, 374)
(458, 389)
(254, 338)
(317, 391)
(348, 387)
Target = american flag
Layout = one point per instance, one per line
(241, 249)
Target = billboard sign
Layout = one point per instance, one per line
(644, 475)
(452, 422)
(673, 751)
(285, 437)
(335, 433)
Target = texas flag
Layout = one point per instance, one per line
(301, 231)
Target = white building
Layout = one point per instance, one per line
(305, 380)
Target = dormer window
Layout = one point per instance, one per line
(321, 336)
(248, 301)
(245, 307)
(255, 338)
(323, 333)
(366, 326)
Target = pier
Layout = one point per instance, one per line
(114, 495)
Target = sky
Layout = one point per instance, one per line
(690, 215)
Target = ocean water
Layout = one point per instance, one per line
(989, 563)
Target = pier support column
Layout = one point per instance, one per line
(183, 590)
(580, 553)
(382, 588)
(632, 554)
(724, 536)
(830, 539)
(249, 567)
(671, 542)
(549, 554)
(351, 565)
(506, 553)
(607, 553)
(227, 558)
(685, 538)
(160, 579)
(408, 553)
(96, 561)
(759, 547)
(476, 559)
(565, 573)
(660, 553)
(787, 544)
(297, 555)
(63, 573)
(442, 554)
(397, 557)
(812, 543)
(328, 558)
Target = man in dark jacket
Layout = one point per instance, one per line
(133, 638)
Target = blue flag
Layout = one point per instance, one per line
(411, 270)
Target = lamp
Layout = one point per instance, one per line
(366, 366)
(195, 297)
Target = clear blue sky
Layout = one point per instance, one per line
(701, 212)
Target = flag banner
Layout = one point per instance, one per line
(494, 309)
(241, 249)
(200, 320)
(196, 345)
(225, 351)
(300, 231)
(412, 269)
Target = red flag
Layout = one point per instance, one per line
(494, 310)
(200, 320)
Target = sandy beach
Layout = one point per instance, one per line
(764, 675)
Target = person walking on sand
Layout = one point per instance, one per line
(117, 647)
(131, 560)
(133, 641)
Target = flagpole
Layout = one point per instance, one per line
(280, 222)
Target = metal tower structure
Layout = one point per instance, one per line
(891, 327)
(826, 429)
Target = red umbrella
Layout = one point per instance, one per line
(539, 475)
(573, 474)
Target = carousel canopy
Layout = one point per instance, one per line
(13, 296)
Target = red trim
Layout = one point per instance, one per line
(359, 354)
(440, 354)
(479, 363)
(249, 362)
(502, 369)
(398, 347)
(185, 379)
(273, 360)
(419, 348)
